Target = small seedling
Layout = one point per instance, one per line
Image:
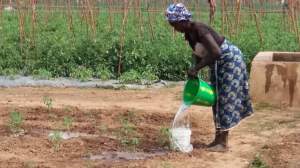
(128, 135)
(68, 122)
(56, 139)
(48, 101)
(258, 162)
(164, 137)
(15, 122)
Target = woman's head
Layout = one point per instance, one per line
(178, 16)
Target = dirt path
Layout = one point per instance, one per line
(273, 133)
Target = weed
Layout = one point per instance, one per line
(48, 101)
(258, 162)
(55, 138)
(164, 137)
(68, 122)
(15, 121)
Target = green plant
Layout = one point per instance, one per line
(15, 121)
(130, 77)
(82, 73)
(55, 138)
(103, 73)
(128, 135)
(10, 72)
(68, 122)
(61, 51)
(48, 101)
(164, 137)
(42, 74)
(148, 76)
(258, 162)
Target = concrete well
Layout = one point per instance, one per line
(274, 78)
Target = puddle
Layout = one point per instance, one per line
(115, 156)
(69, 135)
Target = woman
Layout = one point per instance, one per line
(228, 72)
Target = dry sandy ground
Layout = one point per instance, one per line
(272, 133)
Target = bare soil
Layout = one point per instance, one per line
(272, 133)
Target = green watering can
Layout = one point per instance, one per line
(198, 92)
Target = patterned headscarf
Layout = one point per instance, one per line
(177, 12)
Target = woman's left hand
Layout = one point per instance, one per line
(192, 73)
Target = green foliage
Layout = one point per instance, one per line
(42, 74)
(9, 72)
(131, 76)
(258, 163)
(58, 52)
(128, 135)
(82, 73)
(103, 73)
(15, 121)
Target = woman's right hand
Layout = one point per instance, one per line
(192, 73)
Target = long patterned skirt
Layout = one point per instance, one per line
(230, 78)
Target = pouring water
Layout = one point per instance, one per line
(180, 131)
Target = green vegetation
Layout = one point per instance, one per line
(128, 136)
(147, 53)
(56, 139)
(68, 122)
(258, 163)
(48, 101)
(164, 137)
(15, 121)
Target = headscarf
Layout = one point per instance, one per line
(177, 12)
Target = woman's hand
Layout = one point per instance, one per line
(192, 73)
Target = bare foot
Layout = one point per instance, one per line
(218, 148)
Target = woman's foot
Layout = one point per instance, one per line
(216, 140)
(220, 144)
(218, 148)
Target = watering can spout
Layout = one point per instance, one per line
(198, 92)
